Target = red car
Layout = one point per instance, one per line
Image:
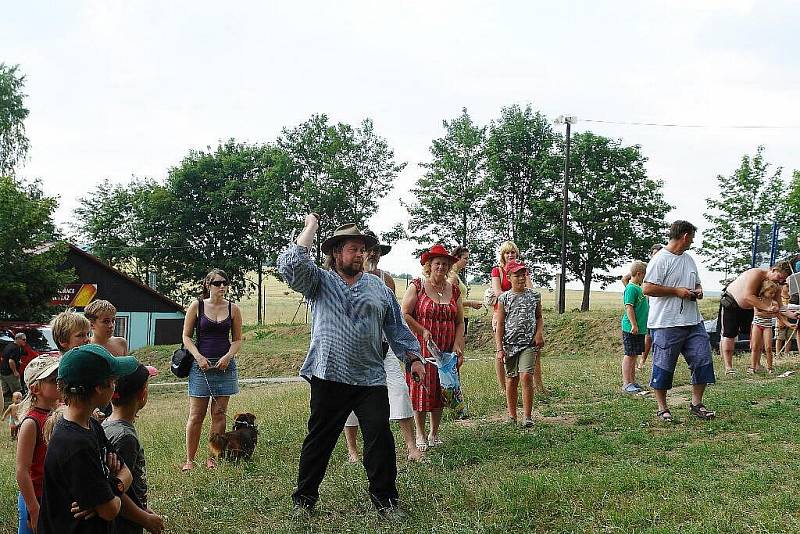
(39, 339)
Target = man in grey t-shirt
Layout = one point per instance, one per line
(673, 285)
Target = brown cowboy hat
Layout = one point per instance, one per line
(384, 248)
(436, 251)
(347, 231)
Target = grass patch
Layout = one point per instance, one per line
(596, 461)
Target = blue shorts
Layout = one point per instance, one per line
(693, 343)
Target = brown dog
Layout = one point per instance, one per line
(237, 444)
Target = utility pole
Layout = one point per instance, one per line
(569, 120)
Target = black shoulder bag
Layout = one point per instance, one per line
(182, 359)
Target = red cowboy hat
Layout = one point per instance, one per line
(437, 251)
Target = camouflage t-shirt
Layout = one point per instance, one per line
(520, 323)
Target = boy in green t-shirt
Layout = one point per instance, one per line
(634, 327)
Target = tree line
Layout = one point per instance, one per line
(234, 206)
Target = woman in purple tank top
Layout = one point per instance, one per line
(213, 375)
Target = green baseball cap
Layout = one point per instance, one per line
(91, 364)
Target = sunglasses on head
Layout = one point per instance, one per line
(219, 283)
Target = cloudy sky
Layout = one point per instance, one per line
(118, 89)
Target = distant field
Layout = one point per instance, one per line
(284, 305)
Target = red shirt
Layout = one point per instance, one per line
(505, 283)
(39, 415)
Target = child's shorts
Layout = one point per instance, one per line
(632, 344)
(523, 361)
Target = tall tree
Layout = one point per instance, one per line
(523, 172)
(616, 213)
(13, 141)
(31, 263)
(749, 196)
(791, 224)
(451, 195)
(341, 172)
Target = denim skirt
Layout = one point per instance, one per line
(222, 383)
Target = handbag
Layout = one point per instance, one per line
(182, 359)
(181, 362)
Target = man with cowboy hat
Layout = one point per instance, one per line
(350, 312)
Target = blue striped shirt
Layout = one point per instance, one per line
(346, 322)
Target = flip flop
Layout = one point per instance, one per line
(211, 463)
(188, 466)
(422, 445)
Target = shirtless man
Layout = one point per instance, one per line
(738, 301)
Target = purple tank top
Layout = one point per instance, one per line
(214, 338)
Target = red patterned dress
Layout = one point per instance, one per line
(440, 321)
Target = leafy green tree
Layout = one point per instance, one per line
(616, 213)
(523, 163)
(451, 195)
(338, 171)
(749, 196)
(31, 263)
(13, 141)
(792, 224)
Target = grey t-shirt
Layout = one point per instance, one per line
(520, 323)
(672, 270)
(122, 435)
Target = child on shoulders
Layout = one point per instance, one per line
(519, 338)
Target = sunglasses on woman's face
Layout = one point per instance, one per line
(219, 283)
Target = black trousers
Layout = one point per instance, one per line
(331, 403)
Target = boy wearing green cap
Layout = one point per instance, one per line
(81, 465)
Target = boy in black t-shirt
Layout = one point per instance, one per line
(81, 469)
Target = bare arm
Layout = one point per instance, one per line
(629, 311)
(499, 332)
(538, 338)
(188, 330)
(409, 303)
(496, 286)
(26, 442)
(458, 342)
(236, 338)
(150, 521)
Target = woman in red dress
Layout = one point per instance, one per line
(432, 309)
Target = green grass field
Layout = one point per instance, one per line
(596, 460)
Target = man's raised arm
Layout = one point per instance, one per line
(295, 263)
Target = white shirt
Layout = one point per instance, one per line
(672, 270)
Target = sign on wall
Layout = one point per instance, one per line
(75, 295)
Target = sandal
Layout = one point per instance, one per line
(434, 441)
(422, 445)
(664, 415)
(730, 371)
(698, 410)
(188, 466)
(211, 463)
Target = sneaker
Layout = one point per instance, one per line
(528, 422)
(302, 511)
(631, 388)
(392, 513)
(638, 385)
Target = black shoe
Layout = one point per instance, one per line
(392, 513)
(302, 511)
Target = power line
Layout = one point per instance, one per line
(722, 126)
